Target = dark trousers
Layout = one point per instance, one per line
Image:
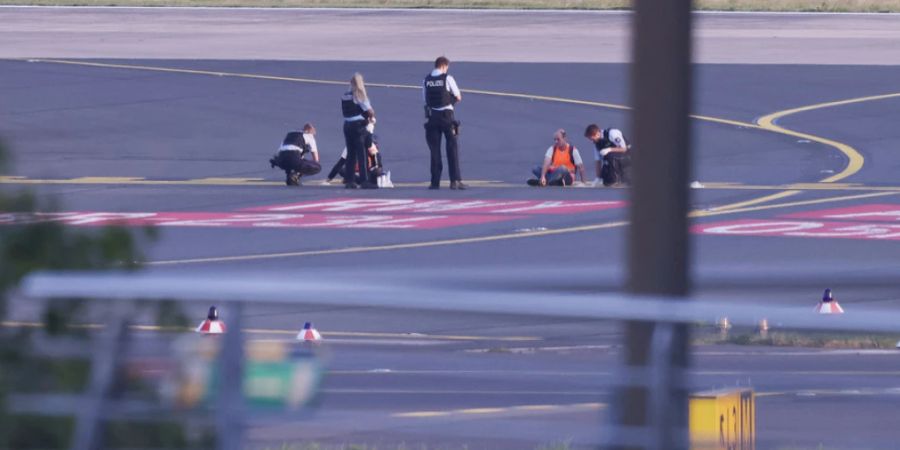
(555, 177)
(290, 160)
(355, 138)
(441, 123)
(338, 169)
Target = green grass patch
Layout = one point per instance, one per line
(719, 5)
(50, 375)
(797, 339)
(39, 433)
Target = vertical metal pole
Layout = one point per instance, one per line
(109, 343)
(658, 239)
(230, 408)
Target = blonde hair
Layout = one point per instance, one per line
(358, 88)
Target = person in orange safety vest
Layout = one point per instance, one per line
(562, 164)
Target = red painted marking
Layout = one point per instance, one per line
(795, 228)
(333, 213)
(863, 213)
(418, 205)
(257, 220)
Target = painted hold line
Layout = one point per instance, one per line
(225, 181)
(215, 181)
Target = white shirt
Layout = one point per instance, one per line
(575, 155)
(310, 140)
(617, 139)
(451, 86)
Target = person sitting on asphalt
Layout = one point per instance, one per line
(291, 155)
(613, 161)
(374, 165)
(562, 163)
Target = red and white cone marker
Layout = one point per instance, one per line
(763, 327)
(309, 333)
(829, 305)
(212, 324)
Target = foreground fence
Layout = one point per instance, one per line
(241, 378)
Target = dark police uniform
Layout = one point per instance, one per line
(290, 157)
(439, 101)
(616, 166)
(356, 116)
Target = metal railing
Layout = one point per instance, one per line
(429, 293)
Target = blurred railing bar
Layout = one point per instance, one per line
(739, 277)
(740, 310)
(109, 343)
(232, 409)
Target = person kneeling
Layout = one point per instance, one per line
(562, 163)
(612, 154)
(291, 156)
(374, 166)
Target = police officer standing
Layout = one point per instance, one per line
(441, 93)
(358, 112)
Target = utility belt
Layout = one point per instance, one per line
(439, 118)
(429, 112)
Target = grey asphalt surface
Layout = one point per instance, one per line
(72, 121)
(407, 35)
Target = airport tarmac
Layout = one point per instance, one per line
(796, 163)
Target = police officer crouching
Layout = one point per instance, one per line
(612, 154)
(441, 93)
(291, 155)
